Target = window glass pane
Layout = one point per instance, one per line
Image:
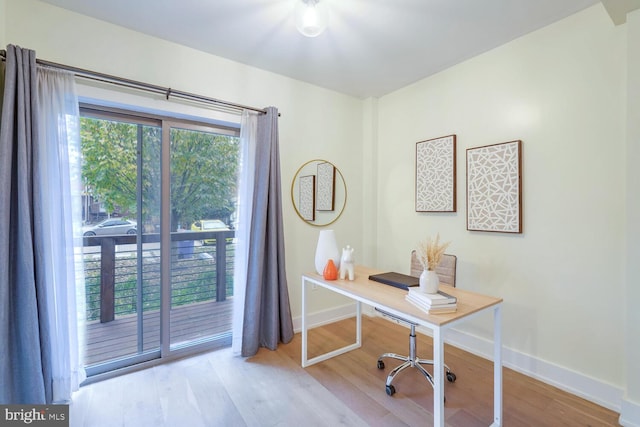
(122, 279)
(204, 167)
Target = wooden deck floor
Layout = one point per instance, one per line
(119, 338)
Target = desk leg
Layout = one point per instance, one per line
(358, 323)
(305, 328)
(304, 323)
(497, 366)
(438, 378)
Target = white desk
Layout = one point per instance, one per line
(392, 300)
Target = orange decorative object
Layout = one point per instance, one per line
(330, 271)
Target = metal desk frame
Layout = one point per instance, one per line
(390, 299)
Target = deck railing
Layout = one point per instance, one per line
(198, 272)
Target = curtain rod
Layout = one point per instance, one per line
(120, 81)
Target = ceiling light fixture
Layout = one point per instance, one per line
(312, 17)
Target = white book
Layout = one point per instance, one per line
(433, 299)
(426, 303)
(438, 309)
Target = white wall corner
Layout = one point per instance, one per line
(369, 180)
(629, 414)
(618, 9)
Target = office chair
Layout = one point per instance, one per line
(446, 271)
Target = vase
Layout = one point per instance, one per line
(429, 282)
(326, 249)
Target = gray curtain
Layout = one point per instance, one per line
(25, 362)
(267, 313)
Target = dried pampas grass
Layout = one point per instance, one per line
(430, 252)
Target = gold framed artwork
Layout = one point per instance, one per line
(494, 188)
(304, 192)
(436, 175)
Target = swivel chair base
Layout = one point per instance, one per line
(410, 361)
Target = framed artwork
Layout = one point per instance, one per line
(326, 186)
(494, 188)
(436, 175)
(307, 197)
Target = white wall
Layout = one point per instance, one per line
(315, 123)
(3, 14)
(370, 191)
(561, 90)
(630, 415)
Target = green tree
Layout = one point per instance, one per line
(204, 170)
(109, 151)
(204, 167)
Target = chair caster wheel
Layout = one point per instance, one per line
(451, 377)
(380, 364)
(390, 390)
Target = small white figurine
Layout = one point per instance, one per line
(346, 263)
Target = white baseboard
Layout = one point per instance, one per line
(629, 414)
(565, 379)
(581, 385)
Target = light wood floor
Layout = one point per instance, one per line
(271, 389)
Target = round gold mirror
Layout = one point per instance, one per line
(318, 192)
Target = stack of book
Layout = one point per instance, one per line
(439, 303)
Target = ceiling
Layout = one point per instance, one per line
(371, 47)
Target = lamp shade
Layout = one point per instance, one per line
(312, 17)
(327, 249)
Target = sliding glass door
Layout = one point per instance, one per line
(120, 216)
(159, 205)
